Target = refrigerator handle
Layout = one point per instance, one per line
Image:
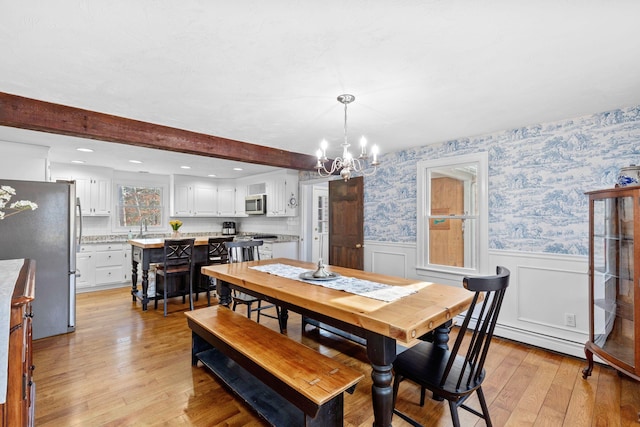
(79, 210)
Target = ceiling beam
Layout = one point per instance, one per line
(26, 113)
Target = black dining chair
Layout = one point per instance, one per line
(217, 253)
(248, 251)
(455, 374)
(175, 275)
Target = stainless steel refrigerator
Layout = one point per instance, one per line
(48, 235)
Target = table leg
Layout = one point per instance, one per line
(441, 335)
(283, 319)
(134, 278)
(381, 352)
(145, 287)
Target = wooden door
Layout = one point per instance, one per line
(346, 223)
(446, 240)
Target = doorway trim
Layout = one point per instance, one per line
(306, 226)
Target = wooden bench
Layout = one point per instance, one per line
(286, 382)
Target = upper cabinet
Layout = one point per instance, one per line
(193, 196)
(93, 187)
(226, 198)
(281, 188)
(95, 195)
(202, 197)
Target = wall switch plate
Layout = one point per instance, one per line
(570, 320)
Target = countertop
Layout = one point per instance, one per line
(124, 238)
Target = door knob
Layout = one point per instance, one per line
(358, 246)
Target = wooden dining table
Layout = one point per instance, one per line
(382, 324)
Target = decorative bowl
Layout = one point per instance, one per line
(629, 176)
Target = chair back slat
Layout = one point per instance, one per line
(217, 252)
(244, 250)
(178, 254)
(484, 310)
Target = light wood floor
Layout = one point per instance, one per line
(126, 367)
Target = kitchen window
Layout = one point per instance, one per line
(140, 206)
(453, 214)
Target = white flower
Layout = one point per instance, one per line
(21, 205)
(24, 205)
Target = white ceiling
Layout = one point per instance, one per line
(269, 72)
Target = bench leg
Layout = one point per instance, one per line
(329, 414)
(198, 345)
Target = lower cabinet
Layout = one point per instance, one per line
(85, 267)
(103, 265)
(270, 250)
(109, 259)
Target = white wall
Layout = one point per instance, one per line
(24, 161)
(542, 289)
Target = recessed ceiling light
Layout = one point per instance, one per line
(85, 150)
(237, 169)
(137, 162)
(211, 175)
(185, 167)
(77, 161)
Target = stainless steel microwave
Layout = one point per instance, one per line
(255, 204)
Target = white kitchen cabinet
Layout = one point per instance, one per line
(241, 194)
(95, 196)
(282, 193)
(193, 196)
(226, 199)
(109, 259)
(181, 199)
(205, 199)
(93, 186)
(270, 250)
(85, 268)
(103, 265)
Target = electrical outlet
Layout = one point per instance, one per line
(570, 320)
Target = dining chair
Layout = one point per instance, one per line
(217, 253)
(174, 276)
(455, 374)
(248, 251)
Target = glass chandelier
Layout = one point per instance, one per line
(347, 164)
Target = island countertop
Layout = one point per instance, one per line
(158, 242)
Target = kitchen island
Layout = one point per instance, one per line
(145, 252)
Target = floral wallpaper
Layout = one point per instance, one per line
(537, 178)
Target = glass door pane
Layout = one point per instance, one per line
(613, 250)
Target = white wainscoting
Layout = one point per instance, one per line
(543, 289)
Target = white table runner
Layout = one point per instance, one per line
(9, 270)
(365, 288)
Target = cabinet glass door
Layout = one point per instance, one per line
(613, 313)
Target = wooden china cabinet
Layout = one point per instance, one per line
(19, 405)
(614, 227)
